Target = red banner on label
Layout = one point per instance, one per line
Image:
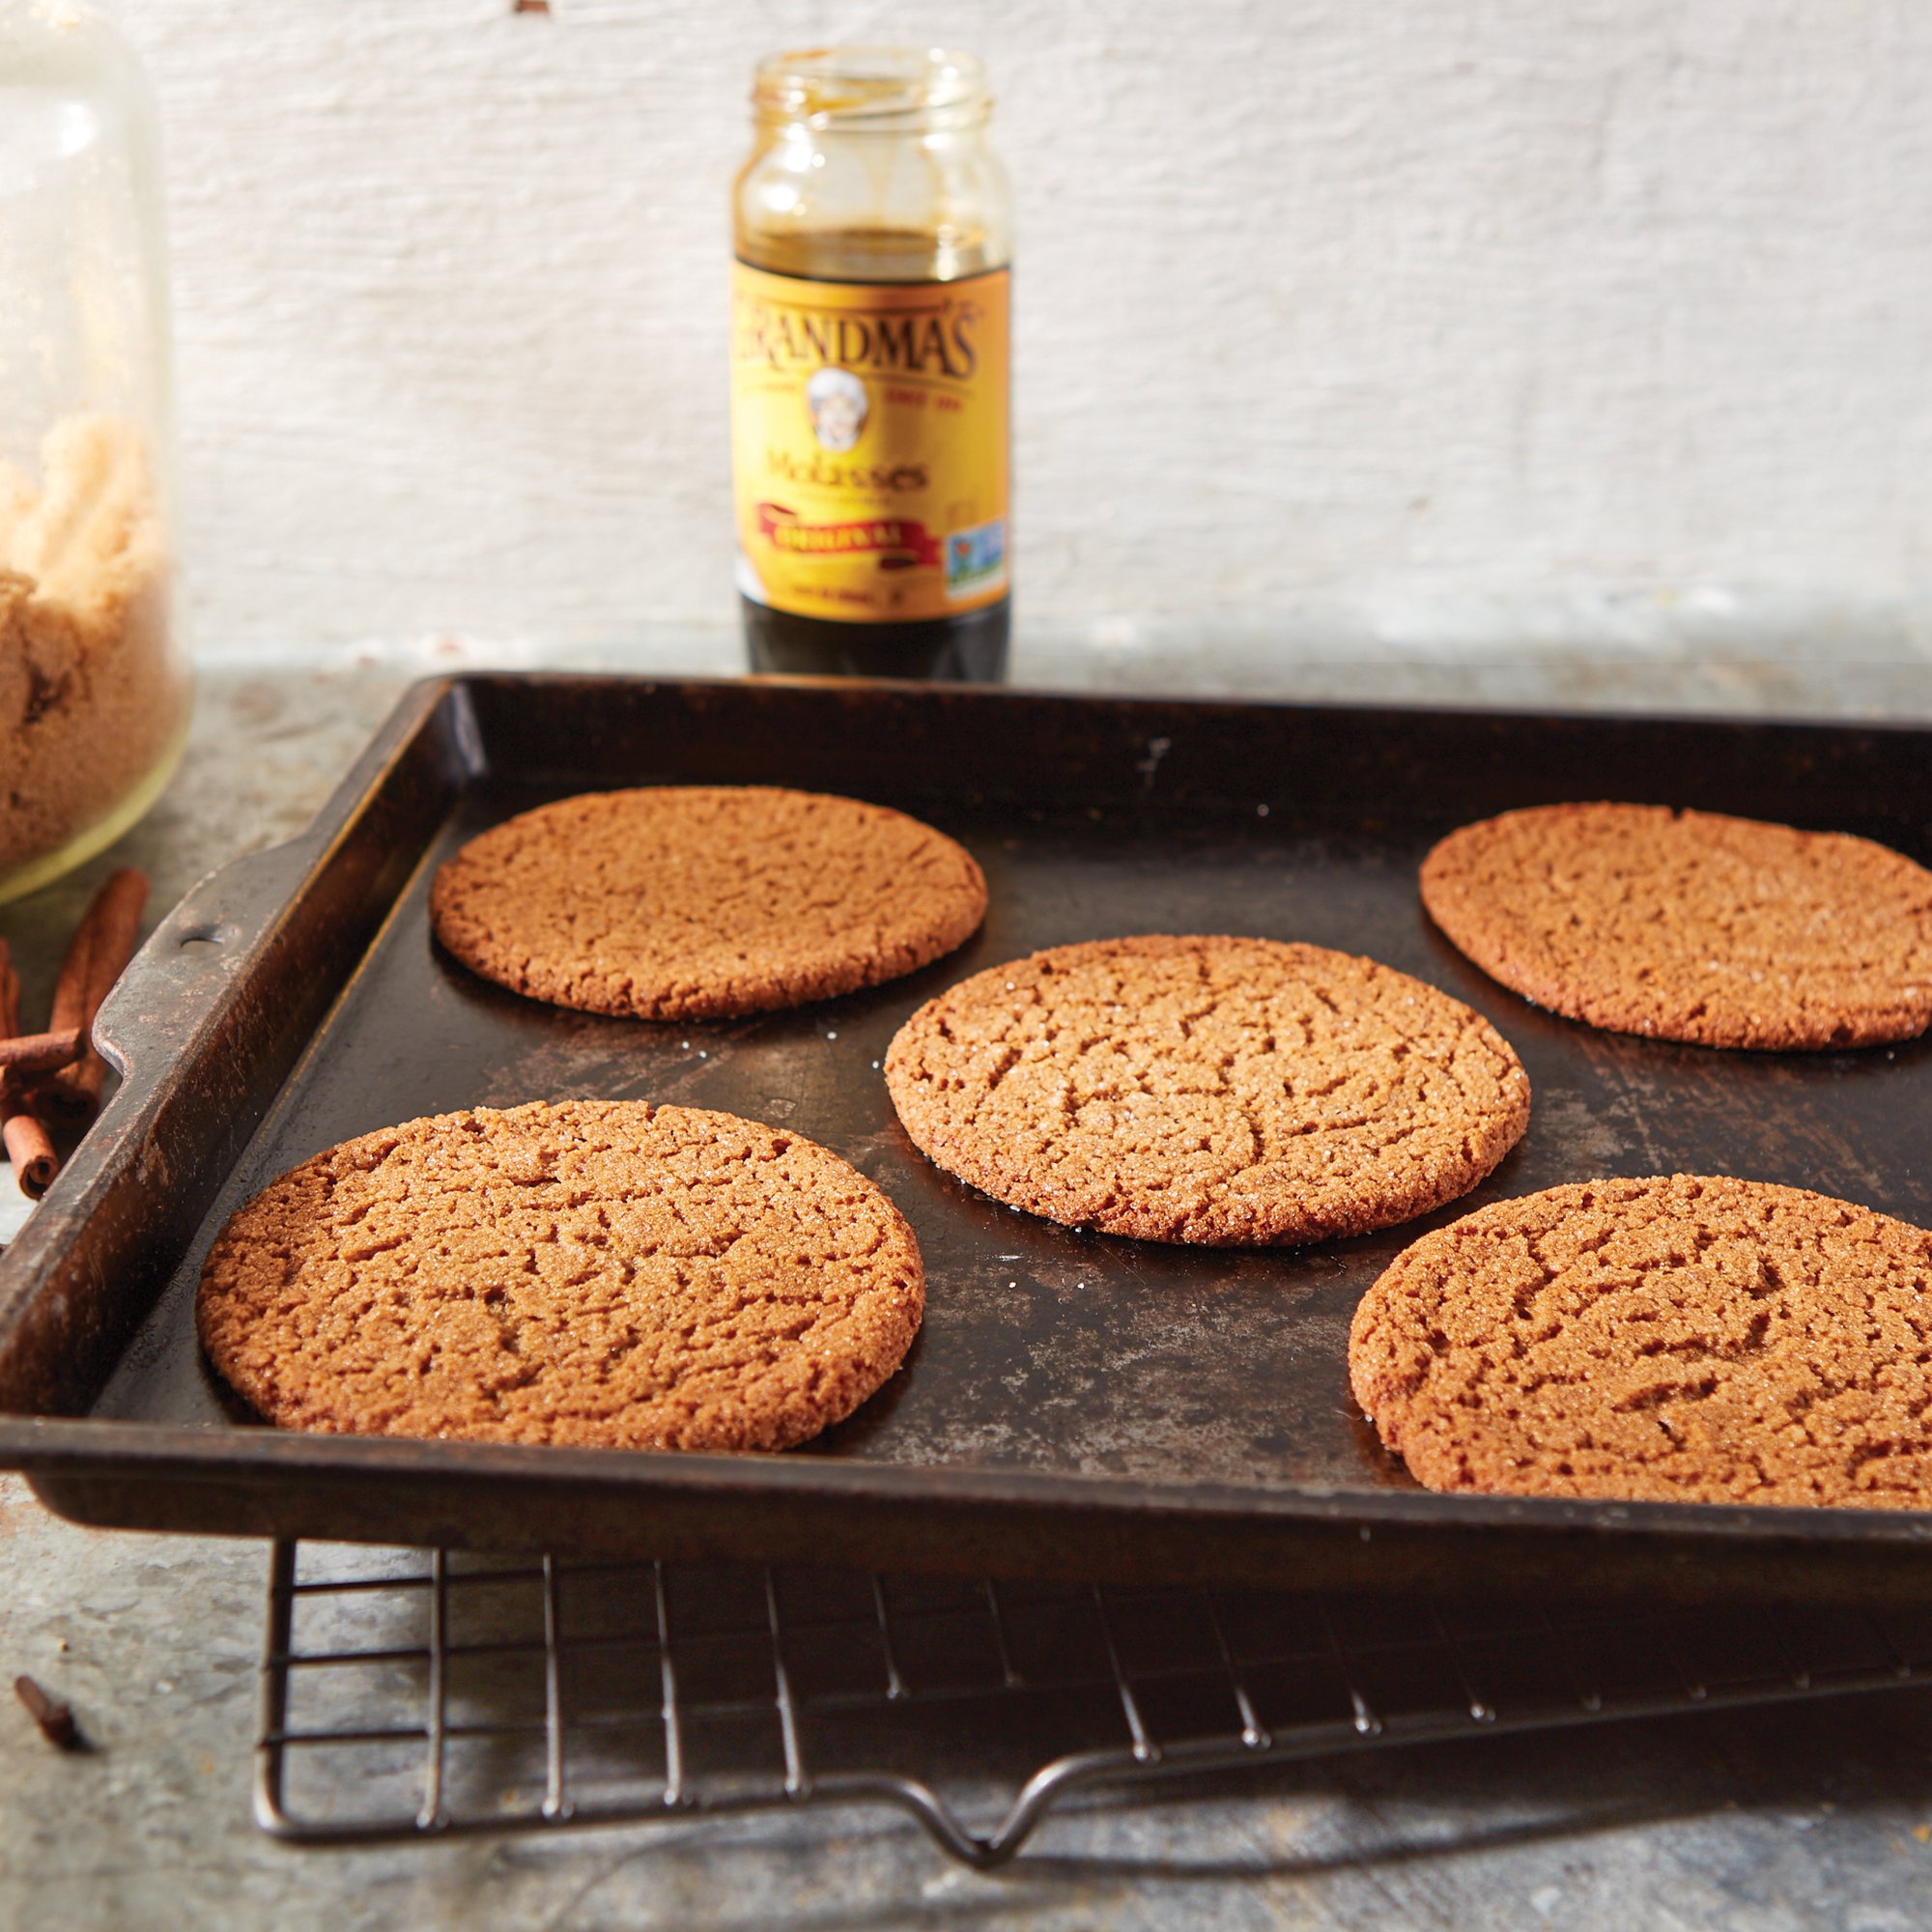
(904, 540)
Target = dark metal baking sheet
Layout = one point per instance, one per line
(1076, 1404)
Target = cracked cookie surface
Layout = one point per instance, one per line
(1681, 1339)
(1230, 1092)
(699, 901)
(599, 1273)
(1691, 925)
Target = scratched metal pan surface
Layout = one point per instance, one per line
(1076, 1404)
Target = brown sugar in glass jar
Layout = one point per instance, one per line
(93, 683)
(870, 368)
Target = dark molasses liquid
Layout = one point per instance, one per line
(970, 648)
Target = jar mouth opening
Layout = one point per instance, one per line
(859, 90)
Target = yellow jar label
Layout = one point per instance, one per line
(868, 438)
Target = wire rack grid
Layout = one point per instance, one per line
(412, 1693)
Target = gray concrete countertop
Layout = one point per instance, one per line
(1818, 1815)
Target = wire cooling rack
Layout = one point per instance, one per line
(412, 1693)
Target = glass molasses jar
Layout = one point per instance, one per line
(870, 368)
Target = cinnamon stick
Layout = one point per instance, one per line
(31, 1149)
(70, 989)
(54, 1717)
(97, 955)
(23, 1134)
(30, 1054)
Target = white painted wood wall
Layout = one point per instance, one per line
(1464, 315)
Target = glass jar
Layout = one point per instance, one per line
(870, 367)
(93, 685)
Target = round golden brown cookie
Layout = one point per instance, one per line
(1692, 927)
(694, 901)
(1231, 1092)
(597, 1272)
(1681, 1340)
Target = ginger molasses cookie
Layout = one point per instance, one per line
(695, 901)
(1222, 1091)
(1690, 925)
(1679, 1339)
(598, 1272)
